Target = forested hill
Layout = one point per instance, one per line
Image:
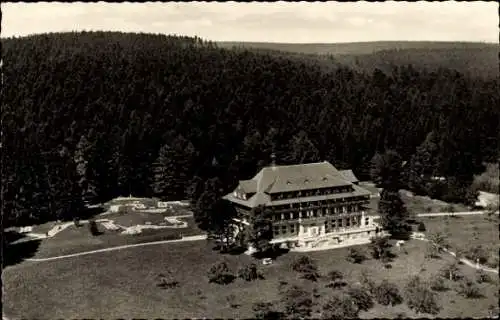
(474, 59)
(89, 116)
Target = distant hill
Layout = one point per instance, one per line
(357, 48)
(471, 58)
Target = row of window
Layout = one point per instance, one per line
(340, 223)
(310, 193)
(330, 225)
(286, 229)
(316, 213)
(320, 203)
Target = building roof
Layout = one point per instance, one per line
(248, 186)
(316, 175)
(276, 179)
(371, 187)
(349, 175)
(264, 199)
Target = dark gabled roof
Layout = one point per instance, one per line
(298, 177)
(349, 175)
(264, 199)
(248, 186)
(276, 179)
(371, 188)
(254, 201)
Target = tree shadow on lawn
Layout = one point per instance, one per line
(236, 250)
(16, 247)
(272, 253)
(232, 250)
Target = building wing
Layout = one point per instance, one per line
(349, 176)
(282, 179)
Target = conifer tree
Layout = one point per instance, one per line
(259, 232)
(386, 173)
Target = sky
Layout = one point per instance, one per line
(291, 22)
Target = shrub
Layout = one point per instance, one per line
(250, 273)
(367, 282)
(355, 256)
(439, 239)
(76, 222)
(451, 272)
(316, 293)
(419, 298)
(297, 302)
(93, 228)
(282, 284)
(380, 247)
(220, 274)
(335, 275)
(477, 253)
(302, 263)
(437, 283)
(387, 293)
(482, 277)
(361, 298)
(469, 289)
(432, 251)
(421, 227)
(307, 267)
(492, 260)
(340, 307)
(336, 279)
(264, 310)
(167, 281)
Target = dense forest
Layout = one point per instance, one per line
(93, 115)
(475, 59)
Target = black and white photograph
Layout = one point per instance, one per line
(250, 160)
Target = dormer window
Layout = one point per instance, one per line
(306, 181)
(235, 194)
(244, 196)
(288, 182)
(325, 178)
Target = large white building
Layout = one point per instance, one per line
(313, 205)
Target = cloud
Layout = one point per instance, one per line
(274, 22)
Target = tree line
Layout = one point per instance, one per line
(89, 116)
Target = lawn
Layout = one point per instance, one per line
(123, 284)
(421, 204)
(463, 232)
(74, 240)
(418, 204)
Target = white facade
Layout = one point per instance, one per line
(312, 236)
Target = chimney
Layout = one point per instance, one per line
(273, 161)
